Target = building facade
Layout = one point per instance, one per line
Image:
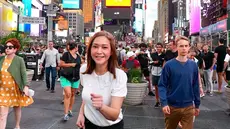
(88, 13)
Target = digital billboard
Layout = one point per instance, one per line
(7, 18)
(138, 24)
(71, 4)
(34, 27)
(118, 3)
(27, 12)
(195, 16)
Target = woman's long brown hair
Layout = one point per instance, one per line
(112, 62)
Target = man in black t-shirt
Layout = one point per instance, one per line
(172, 52)
(220, 53)
(209, 61)
(144, 57)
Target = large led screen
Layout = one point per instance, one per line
(195, 16)
(138, 25)
(118, 3)
(34, 27)
(7, 18)
(71, 4)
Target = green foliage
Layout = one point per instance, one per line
(24, 41)
(134, 76)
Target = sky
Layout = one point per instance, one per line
(151, 16)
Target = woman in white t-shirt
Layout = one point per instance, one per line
(104, 85)
(227, 65)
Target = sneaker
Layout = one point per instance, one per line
(78, 93)
(151, 93)
(157, 105)
(52, 91)
(37, 80)
(47, 89)
(202, 95)
(210, 94)
(70, 114)
(62, 102)
(58, 79)
(66, 117)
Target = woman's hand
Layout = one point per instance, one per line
(80, 121)
(97, 101)
(26, 90)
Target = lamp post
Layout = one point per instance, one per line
(18, 16)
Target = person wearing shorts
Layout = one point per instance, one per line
(70, 78)
(157, 64)
(220, 53)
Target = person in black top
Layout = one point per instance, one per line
(209, 61)
(70, 77)
(220, 53)
(172, 52)
(144, 57)
(157, 64)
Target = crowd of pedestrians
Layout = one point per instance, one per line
(178, 74)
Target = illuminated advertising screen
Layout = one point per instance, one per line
(71, 4)
(195, 16)
(7, 18)
(34, 27)
(138, 24)
(14, 22)
(118, 3)
(27, 12)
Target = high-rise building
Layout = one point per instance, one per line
(163, 19)
(88, 13)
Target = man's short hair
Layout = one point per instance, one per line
(221, 41)
(160, 44)
(178, 38)
(143, 45)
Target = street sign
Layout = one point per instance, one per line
(45, 7)
(51, 13)
(32, 20)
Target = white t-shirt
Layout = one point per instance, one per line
(106, 86)
(227, 59)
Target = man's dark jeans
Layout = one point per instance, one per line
(53, 74)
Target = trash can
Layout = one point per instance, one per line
(32, 62)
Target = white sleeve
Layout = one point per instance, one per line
(120, 85)
(227, 58)
(82, 70)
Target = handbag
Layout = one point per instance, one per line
(67, 72)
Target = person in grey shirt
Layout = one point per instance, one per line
(52, 59)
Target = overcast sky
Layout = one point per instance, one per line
(151, 16)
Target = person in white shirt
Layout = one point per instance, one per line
(51, 58)
(227, 66)
(104, 85)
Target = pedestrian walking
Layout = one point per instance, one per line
(51, 58)
(104, 85)
(144, 58)
(220, 53)
(227, 65)
(70, 63)
(157, 64)
(179, 88)
(14, 91)
(209, 61)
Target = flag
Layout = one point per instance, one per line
(145, 5)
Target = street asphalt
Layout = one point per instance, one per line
(47, 112)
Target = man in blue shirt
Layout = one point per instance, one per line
(179, 88)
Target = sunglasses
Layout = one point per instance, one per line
(10, 47)
(38, 49)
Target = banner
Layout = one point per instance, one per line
(27, 12)
(7, 18)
